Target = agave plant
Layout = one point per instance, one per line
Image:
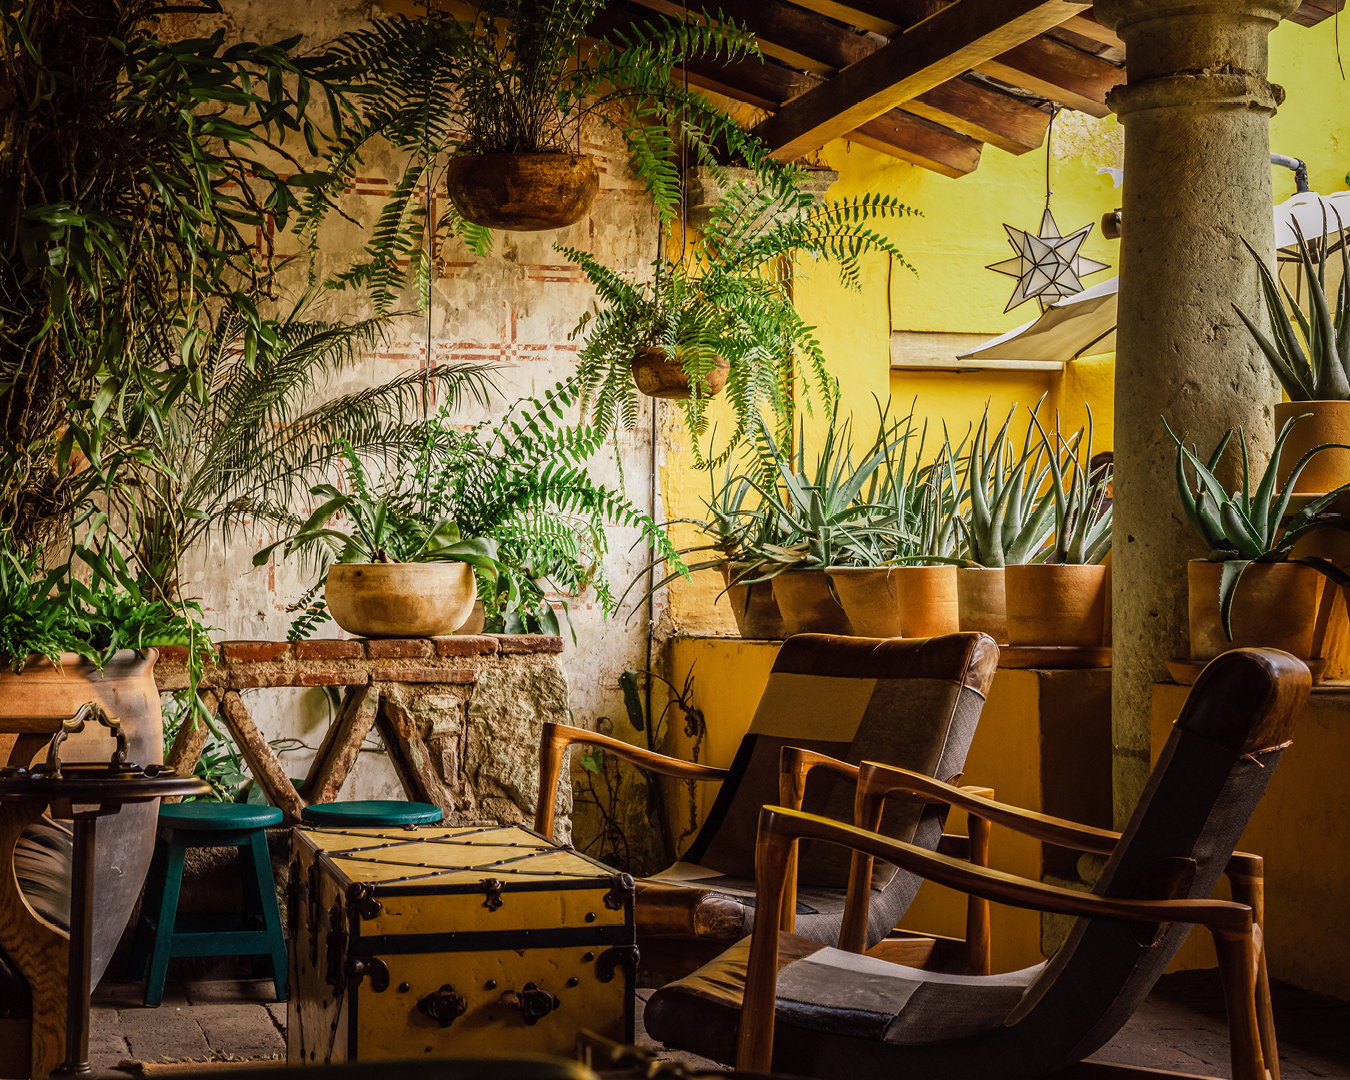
(1011, 511)
(1082, 533)
(1312, 362)
(1245, 526)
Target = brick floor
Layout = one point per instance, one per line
(1180, 1027)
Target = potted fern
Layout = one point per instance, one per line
(497, 98)
(1008, 518)
(722, 313)
(1312, 362)
(1252, 590)
(1060, 598)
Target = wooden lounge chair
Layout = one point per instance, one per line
(911, 702)
(830, 1012)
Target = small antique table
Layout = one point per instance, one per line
(84, 793)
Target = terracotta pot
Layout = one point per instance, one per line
(400, 599)
(1056, 604)
(928, 600)
(1329, 422)
(755, 609)
(658, 376)
(522, 192)
(1275, 606)
(807, 605)
(476, 621)
(982, 600)
(871, 599)
(126, 840)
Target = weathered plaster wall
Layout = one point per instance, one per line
(513, 311)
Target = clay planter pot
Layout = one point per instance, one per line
(982, 600)
(126, 840)
(400, 599)
(658, 376)
(1275, 606)
(755, 609)
(522, 192)
(1056, 604)
(804, 598)
(928, 600)
(476, 621)
(871, 599)
(1329, 422)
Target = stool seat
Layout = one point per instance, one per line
(371, 813)
(211, 815)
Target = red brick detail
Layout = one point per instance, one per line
(173, 654)
(424, 675)
(465, 645)
(330, 649)
(254, 678)
(255, 651)
(399, 648)
(528, 643)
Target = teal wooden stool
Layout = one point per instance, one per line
(370, 814)
(256, 931)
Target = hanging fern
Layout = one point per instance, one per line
(518, 76)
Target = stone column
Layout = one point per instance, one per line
(1196, 113)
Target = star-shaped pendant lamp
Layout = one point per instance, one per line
(1047, 265)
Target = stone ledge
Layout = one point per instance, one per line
(241, 665)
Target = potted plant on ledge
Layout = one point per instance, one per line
(1312, 363)
(1252, 590)
(1060, 599)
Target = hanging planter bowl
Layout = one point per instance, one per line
(522, 192)
(400, 599)
(659, 376)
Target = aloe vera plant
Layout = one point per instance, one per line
(1246, 527)
(1312, 362)
(1011, 511)
(1082, 532)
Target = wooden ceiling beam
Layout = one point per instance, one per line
(1085, 23)
(920, 142)
(1312, 12)
(984, 114)
(1045, 66)
(815, 44)
(957, 38)
(884, 17)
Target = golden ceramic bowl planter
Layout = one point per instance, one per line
(522, 192)
(400, 599)
(755, 609)
(1275, 607)
(476, 621)
(1056, 604)
(125, 840)
(1329, 423)
(871, 599)
(807, 605)
(982, 600)
(658, 376)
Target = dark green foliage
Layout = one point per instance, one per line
(520, 76)
(133, 192)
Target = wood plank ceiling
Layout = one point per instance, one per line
(928, 81)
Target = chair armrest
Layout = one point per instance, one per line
(876, 781)
(557, 737)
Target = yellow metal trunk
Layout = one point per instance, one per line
(453, 941)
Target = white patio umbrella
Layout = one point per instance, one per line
(1085, 324)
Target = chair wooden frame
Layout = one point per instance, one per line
(796, 764)
(1236, 925)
